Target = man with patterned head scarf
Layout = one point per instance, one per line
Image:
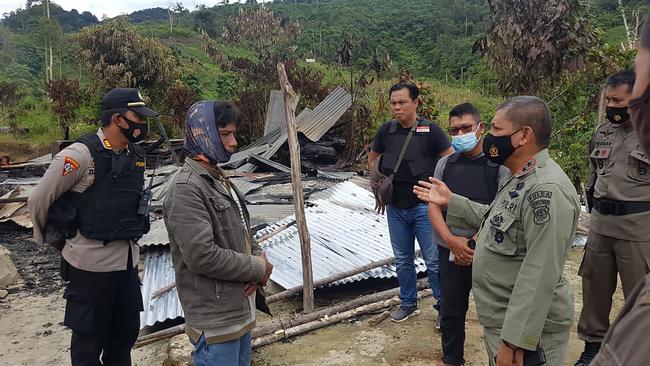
(218, 265)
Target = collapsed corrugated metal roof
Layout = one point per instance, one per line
(313, 124)
(345, 233)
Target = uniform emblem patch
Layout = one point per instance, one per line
(496, 220)
(423, 129)
(69, 165)
(521, 185)
(498, 237)
(540, 202)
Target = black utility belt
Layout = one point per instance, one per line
(620, 208)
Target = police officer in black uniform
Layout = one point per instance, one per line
(91, 194)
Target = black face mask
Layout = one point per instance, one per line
(133, 126)
(498, 148)
(617, 115)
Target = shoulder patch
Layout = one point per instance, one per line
(69, 165)
(540, 201)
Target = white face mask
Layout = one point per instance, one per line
(465, 142)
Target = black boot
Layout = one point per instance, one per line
(591, 349)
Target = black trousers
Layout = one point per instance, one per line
(103, 311)
(455, 284)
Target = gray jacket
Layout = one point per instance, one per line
(212, 257)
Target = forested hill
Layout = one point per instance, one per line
(426, 37)
(429, 38)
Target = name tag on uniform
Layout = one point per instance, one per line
(640, 155)
(424, 129)
(601, 153)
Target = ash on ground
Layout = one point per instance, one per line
(38, 265)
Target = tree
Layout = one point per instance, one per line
(265, 34)
(117, 56)
(178, 99)
(8, 94)
(174, 10)
(65, 98)
(532, 43)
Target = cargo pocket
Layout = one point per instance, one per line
(502, 235)
(638, 166)
(79, 311)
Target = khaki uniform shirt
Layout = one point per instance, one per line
(623, 174)
(523, 241)
(73, 169)
(626, 342)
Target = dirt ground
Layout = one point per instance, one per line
(31, 330)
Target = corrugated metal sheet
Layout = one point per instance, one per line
(345, 234)
(245, 186)
(579, 241)
(275, 112)
(158, 273)
(324, 117)
(157, 234)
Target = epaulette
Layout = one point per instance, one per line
(183, 177)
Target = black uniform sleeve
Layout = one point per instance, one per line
(438, 139)
(379, 143)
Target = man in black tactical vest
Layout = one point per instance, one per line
(469, 173)
(90, 196)
(407, 215)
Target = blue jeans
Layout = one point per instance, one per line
(404, 225)
(234, 353)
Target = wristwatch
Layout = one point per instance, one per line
(471, 243)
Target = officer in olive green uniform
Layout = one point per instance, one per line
(522, 298)
(619, 230)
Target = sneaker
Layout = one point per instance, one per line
(404, 312)
(591, 349)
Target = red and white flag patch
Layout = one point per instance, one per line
(423, 129)
(69, 165)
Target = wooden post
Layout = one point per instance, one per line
(296, 183)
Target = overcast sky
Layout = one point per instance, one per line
(109, 7)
